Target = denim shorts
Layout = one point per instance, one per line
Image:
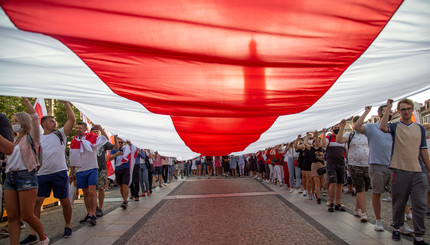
(57, 182)
(21, 180)
(87, 178)
(158, 171)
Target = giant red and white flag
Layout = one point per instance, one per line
(213, 77)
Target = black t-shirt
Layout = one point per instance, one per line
(318, 155)
(5, 130)
(301, 157)
(5, 127)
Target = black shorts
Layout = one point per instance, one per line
(336, 173)
(122, 176)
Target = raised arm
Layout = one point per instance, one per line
(68, 126)
(306, 143)
(35, 129)
(384, 121)
(359, 124)
(296, 143)
(324, 138)
(339, 137)
(115, 142)
(28, 105)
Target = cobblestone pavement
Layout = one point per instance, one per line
(262, 219)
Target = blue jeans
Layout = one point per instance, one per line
(293, 170)
(143, 178)
(171, 170)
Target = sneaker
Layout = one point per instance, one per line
(388, 199)
(331, 208)
(378, 225)
(67, 232)
(357, 213)
(408, 217)
(93, 220)
(405, 229)
(84, 220)
(319, 201)
(305, 193)
(291, 190)
(310, 197)
(324, 193)
(422, 242)
(4, 232)
(142, 195)
(300, 191)
(363, 217)
(339, 207)
(44, 242)
(99, 212)
(30, 239)
(396, 236)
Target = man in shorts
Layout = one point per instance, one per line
(335, 154)
(102, 173)
(52, 175)
(122, 170)
(83, 160)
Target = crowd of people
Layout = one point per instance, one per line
(380, 156)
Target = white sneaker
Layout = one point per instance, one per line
(305, 193)
(357, 213)
(408, 217)
(300, 191)
(388, 199)
(363, 217)
(404, 229)
(44, 242)
(378, 225)
(291, 190)
(310, 197)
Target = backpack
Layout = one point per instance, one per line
(351, 135)
(58, 133)
(40, 155)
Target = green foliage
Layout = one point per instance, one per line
(10, 105)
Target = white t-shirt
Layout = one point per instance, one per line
(54, 156)
(15, 161)
(358, 152)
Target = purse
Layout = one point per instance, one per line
(321, 170)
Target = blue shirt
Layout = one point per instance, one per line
(380, 144)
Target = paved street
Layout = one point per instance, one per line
(220, 211)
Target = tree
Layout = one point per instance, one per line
(10, 105)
